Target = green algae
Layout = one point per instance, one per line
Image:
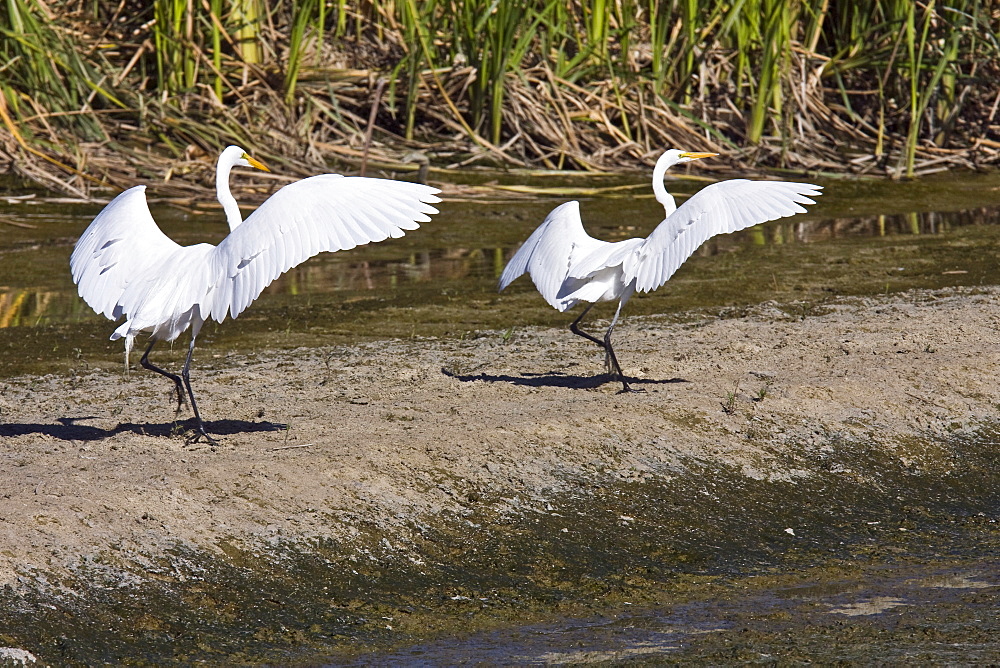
(706, 537)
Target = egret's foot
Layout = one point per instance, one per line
(626, 389)
(200, 433)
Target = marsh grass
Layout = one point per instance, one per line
(885, 87)
(729, 406)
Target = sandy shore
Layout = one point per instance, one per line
(394, 433)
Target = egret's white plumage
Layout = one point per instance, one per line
(569, 266)
(125, 266)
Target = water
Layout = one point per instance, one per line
(895, 613)
(862, 237)
(885, 566)
(902, 571)
(725, 591)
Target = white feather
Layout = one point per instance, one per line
(727, 206)
(124, 265)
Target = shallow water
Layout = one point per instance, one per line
(861, 237)
(826, 570)
(878, 613)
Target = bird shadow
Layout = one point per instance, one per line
(68, 428)
(557, 379)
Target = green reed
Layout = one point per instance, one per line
(307, 14)
(496, 36)
(215, 9)
(775, 52)
(173, 35)
(901, 73)
(246, 17)
(44, 70)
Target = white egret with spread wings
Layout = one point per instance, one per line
(125, 266)
(568, 266)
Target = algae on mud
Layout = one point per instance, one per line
(704, 555)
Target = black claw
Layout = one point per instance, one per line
(200, 433)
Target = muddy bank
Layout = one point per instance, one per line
(361, 495)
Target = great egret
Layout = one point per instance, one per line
(569, 266)
(124, 265)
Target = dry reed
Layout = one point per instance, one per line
(103, 99)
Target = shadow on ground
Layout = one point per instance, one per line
(68, 429)
(557, 379)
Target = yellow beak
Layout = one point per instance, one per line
(254, 162)
(696, 156)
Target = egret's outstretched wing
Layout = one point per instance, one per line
(550, 252)
(322, 213)
(722, 207)
(115, 249)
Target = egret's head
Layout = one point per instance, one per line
(237, 157)
(676, 156)
(670, 158)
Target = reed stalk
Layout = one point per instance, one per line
(173, 38)
(775, 50)
(596, 18)
(246, 17)
(216, 34)
(305, 13)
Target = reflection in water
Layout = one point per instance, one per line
(28, 308)
(884, 606)
(871, 606)
(430, 270)
(330, 273)
(923, 223)
(12, 308)
(336, 273)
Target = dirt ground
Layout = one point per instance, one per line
(388, 432)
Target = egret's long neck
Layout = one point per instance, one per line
(660, 190)
(229, 205)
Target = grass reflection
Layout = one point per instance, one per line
(34, 307)
(424, 274)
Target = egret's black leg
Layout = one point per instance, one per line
(575, 328)
(146, 364)
(186, 373)
(615, 366)
(610, 360)
(610, 351)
